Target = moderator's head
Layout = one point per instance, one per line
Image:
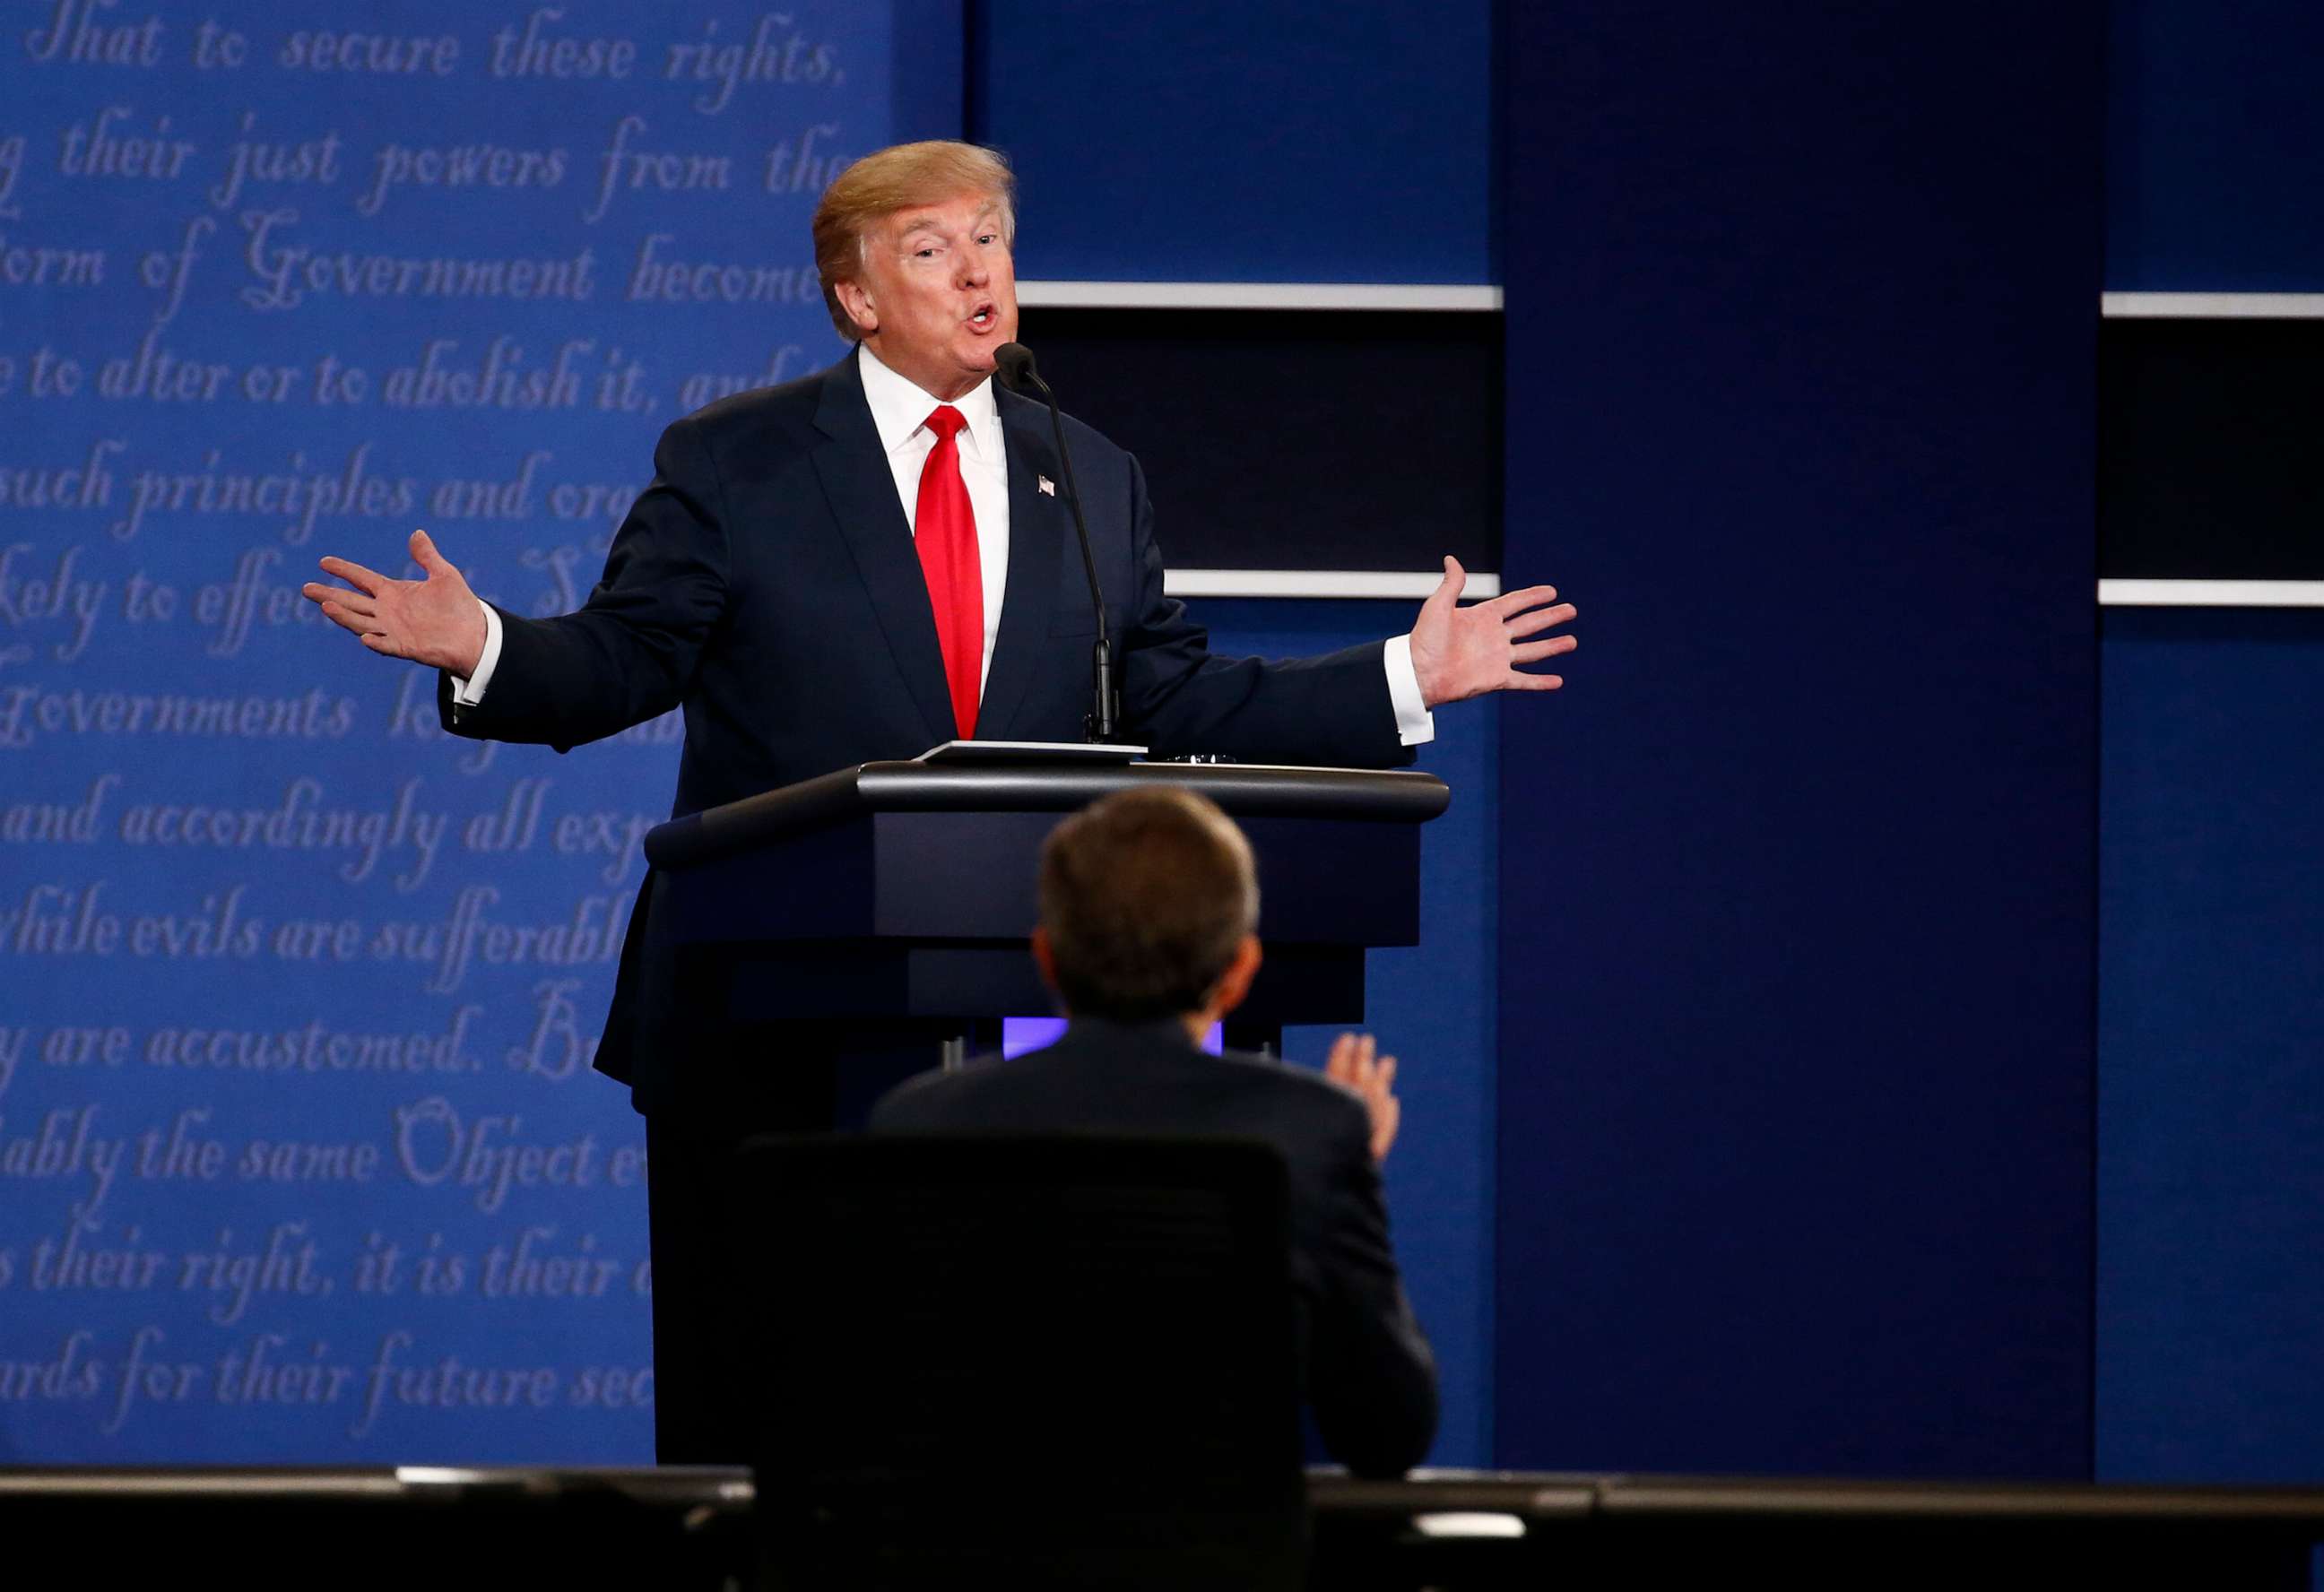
(1147, 897)
(913, 241)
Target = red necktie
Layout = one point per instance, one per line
(944, 528)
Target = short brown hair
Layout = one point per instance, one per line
(1146, 894)
(894, 178)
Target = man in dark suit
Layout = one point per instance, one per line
(1150, 905)
(858, 565)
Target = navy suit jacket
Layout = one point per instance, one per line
(1371, 1381)
(767, 582)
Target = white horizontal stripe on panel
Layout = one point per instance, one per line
(1319, 583)
(2212, 593)
(2212, 305)
(1040, 295)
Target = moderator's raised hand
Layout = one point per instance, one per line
(1354, 1064)
(434, 621)
(1463, 652)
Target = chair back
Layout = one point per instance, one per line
(1063, 1360)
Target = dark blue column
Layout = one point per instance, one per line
(1795, 1090)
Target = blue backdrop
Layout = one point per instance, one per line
(300, 1152)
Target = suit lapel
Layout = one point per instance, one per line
(862, 491)
(1038, 537)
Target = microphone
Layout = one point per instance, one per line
(1015, 363)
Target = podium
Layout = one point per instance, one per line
(807, 949)
(902, 893)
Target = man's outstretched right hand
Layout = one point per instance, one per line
(436, 620)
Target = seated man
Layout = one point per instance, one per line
(1148, 903)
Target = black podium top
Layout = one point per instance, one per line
(1243, 789)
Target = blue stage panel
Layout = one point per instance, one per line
(1797, 880)
(1225, 141)
(2214, 146)
(2212, 1024)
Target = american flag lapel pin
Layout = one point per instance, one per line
(1048, 487)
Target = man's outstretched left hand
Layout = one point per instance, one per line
(1463, 652)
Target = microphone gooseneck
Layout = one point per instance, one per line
(1015, 363)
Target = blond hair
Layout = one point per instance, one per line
(900, 177)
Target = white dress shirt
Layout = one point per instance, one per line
(899, 412)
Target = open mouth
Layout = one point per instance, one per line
(984, 318)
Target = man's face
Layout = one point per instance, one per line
(938, 293)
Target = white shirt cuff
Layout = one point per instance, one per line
(470, 692)
(1414, 724)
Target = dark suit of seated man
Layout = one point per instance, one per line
(1149, 904)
